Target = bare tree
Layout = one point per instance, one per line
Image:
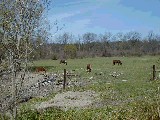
(133, 39)
(20, 23)
(105, 41)
(153, 41)
(88, 39)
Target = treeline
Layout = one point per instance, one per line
(103, 45)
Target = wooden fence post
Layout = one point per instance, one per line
(154, 72)
(64, 81)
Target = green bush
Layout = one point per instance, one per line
(70, 51)
(54, 57)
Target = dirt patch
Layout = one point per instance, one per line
(69, 100)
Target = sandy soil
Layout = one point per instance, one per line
(68, 100)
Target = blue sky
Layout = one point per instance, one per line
(100, 16)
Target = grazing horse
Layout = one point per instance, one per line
(89, 68)
(117, 62)
(63, 61)
(40, 69)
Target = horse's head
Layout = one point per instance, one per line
(63, 61)
(89, 68)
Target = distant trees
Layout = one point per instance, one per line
(90, 45)
(108, 44)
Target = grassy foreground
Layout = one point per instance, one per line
(126, 91)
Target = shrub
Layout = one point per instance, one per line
(54, 57)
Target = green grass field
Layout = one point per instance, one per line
(129, 96)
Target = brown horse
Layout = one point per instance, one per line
(63, 61)
(117, 62)
(40, 69)
(89, 68)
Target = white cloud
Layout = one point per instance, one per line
(75, 3)
(76, 27)
(61, 16)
